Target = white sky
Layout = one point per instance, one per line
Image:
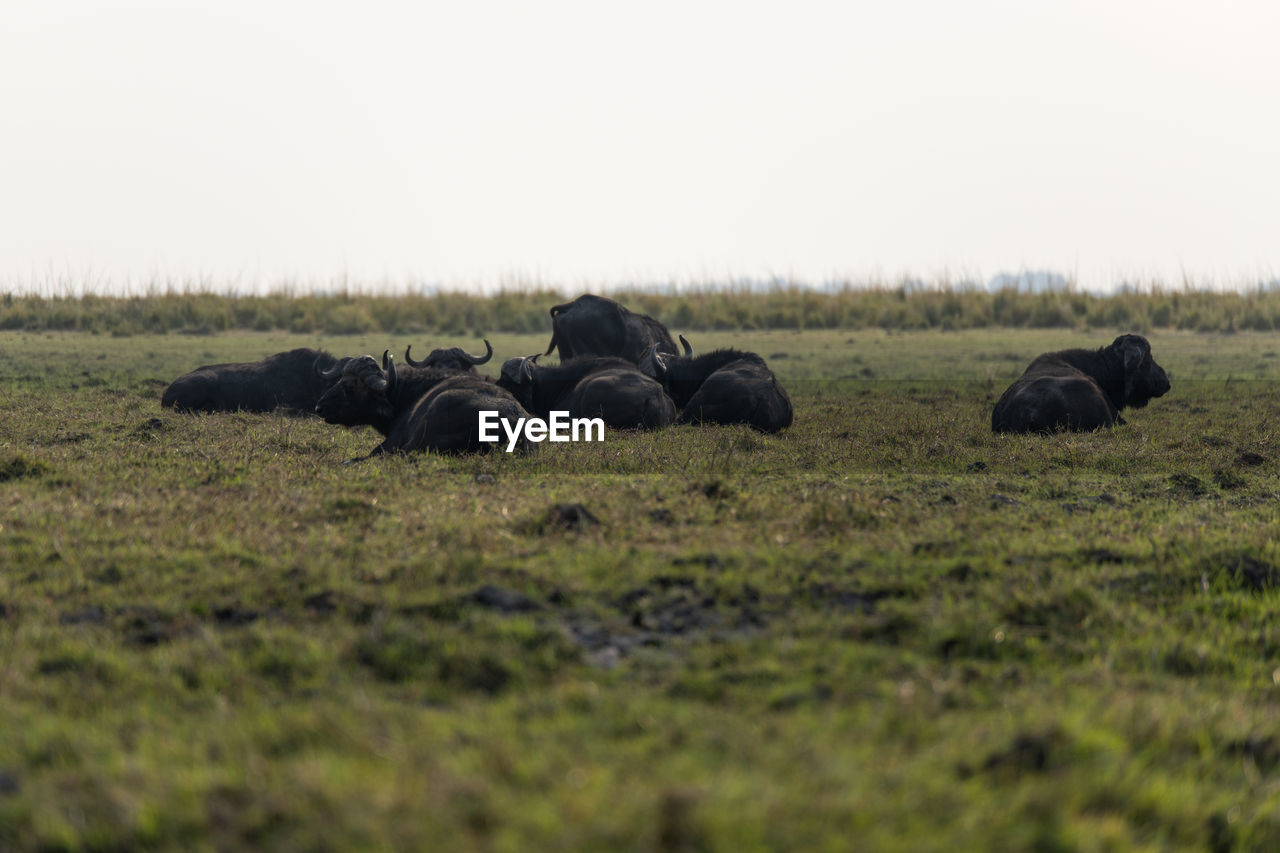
(597, 143)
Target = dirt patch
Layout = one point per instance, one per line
(1225, 478)
(668, 609)
(147, 626)
(714, 490)
(1250, 574)
(322, 603)
(1262, 750)
(710, 561)
(1249, 458)
(233, 615)
(84, 616)
(503, 600)
(832, 596)
(1029, 753)
(149, 427)
(1188, 484)
(563, 517)
(19, 467)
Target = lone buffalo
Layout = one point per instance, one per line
(594, 325)
(1081, 389)
(291, 381)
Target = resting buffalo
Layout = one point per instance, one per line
(1081, 389)
(727, 386)
(291, 381)
(594, 325)
(453, 358)
(416, 409)
(611, 389)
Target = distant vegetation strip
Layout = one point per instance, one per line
(895, 308)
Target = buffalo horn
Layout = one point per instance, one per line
(408, 359)
(652, 364)
(389, 367)
(481, 359)
(329, 373)
(688, 350)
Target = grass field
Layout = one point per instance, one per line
(885, 628)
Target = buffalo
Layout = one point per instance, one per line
(594, 325)
(611, 389)
(415, 409)
(290, 381)
(727, 386)
(453, 358)
(1081, 389)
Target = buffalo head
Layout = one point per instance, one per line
(362, 394)
(519, 370)
(453, 358)
(654, 362)
(653, 365)
(1144, 380)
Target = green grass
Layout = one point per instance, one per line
(943, 306)
(886, 628)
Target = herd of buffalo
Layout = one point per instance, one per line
(624, 368)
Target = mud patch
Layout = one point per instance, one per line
(669, 609)
(147, 626)
(149, 427)
(233, 615)
(1249, 458)
(1225, 478)
(322, 603)
(1102, 555)
(939, 548)
(714, 490)
(84, 616)
(64, 437)
(503, 600)
(1188, 484)
(1090, 503)
(710, 561)
(831, 596)
(19, 467)
(1246, 573)
(1028, 753)
(1262, 750)
(570, 517)
(1222, 573)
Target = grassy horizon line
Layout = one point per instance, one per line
(908, 305)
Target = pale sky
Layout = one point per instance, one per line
(592, 144)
